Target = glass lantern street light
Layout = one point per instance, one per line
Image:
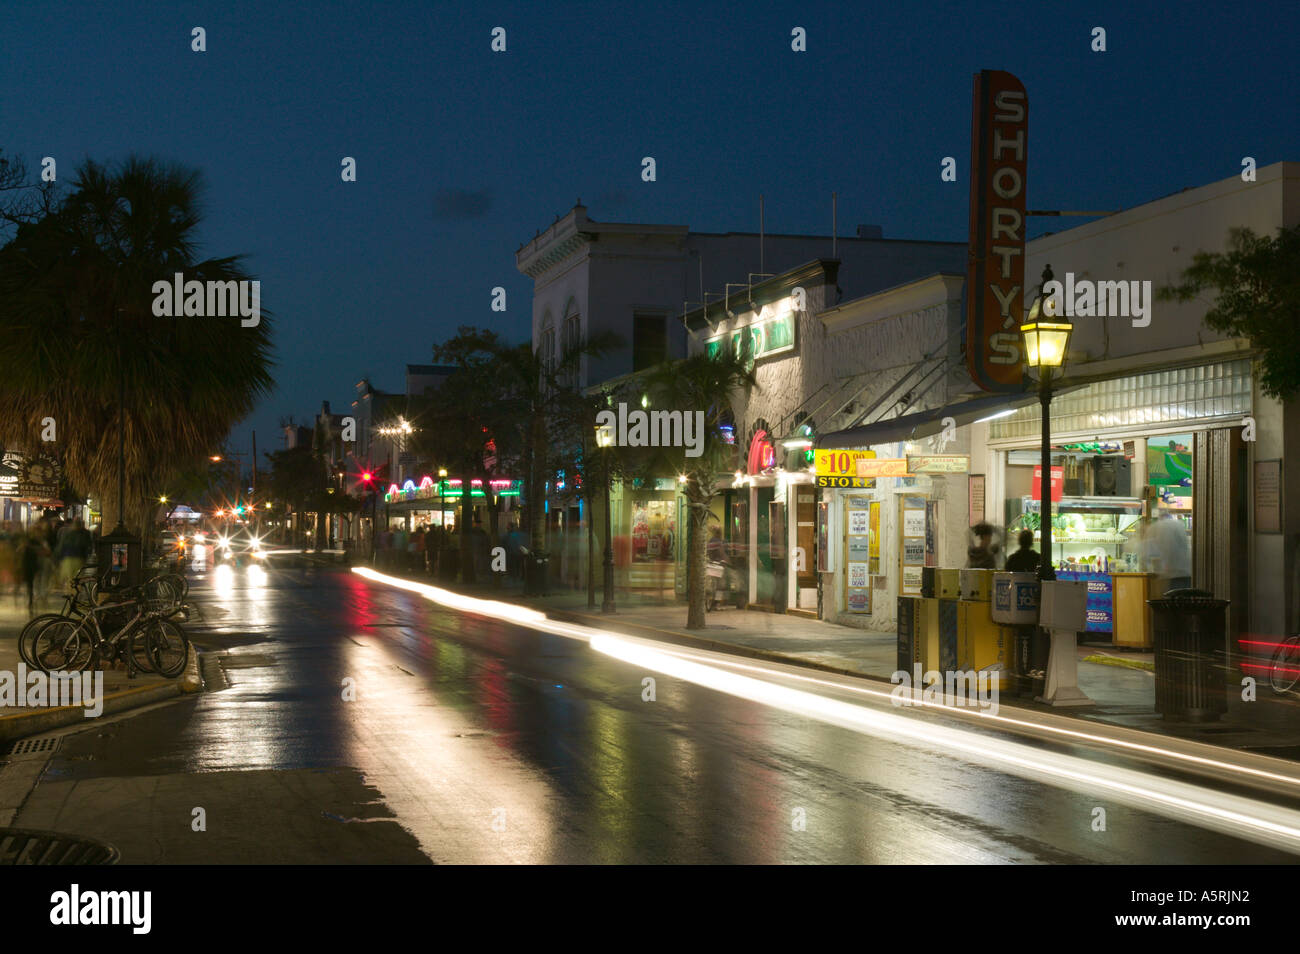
(1046, 334)
(1046, 338)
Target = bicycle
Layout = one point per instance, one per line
(149, 641)
(1284, 670)
(85, 593)
(79, 598)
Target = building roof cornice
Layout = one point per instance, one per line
(820, 271)
(571, 232)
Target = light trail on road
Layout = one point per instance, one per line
(1257, 821)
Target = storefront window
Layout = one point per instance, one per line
(654, 530)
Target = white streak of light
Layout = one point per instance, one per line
(1268, 824)
(1258, 821)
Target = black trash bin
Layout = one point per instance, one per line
(1191, 682)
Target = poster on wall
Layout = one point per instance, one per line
(911, 581)
(857, 549)
(911, 544)
(975, 498)
(1268, 496)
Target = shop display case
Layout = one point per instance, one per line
(1092, 538)
(1089, 534)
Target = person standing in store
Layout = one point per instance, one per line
(1024, 560)
(1169, 553)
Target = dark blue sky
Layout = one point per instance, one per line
(463, 154)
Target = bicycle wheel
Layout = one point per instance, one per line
(1285, 670)
(141, 658)
(180, 585)
(63, 646)
(27, 638)
(169, 648)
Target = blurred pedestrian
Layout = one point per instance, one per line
(515, 550)
(983, 554)
(1169, 552)
(74, 548)
(415, 557)
(9, 541)
(32, 554)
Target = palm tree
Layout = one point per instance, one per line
(80, 343)
(525, 407)
(699, 383)
(553, 421)
(462, 420)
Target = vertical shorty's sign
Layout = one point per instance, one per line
(995, 276)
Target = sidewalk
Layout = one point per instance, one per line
(119, 692)
(1122, 684)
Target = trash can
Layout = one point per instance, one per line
(1188, 631)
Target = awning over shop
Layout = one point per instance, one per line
(913, 427)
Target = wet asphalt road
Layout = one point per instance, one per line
(467, 740)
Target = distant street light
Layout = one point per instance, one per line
(604, 439)
(442, 501)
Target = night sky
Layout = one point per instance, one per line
(463, 154)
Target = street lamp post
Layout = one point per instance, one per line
(604, 438)
(1046, 336)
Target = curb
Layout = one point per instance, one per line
(190, 680)
(30, 723)
(1101, 659)
(22, 724)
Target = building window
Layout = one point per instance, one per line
(649, 341)
(572, 340)
(1178, 396)
(546, 345)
